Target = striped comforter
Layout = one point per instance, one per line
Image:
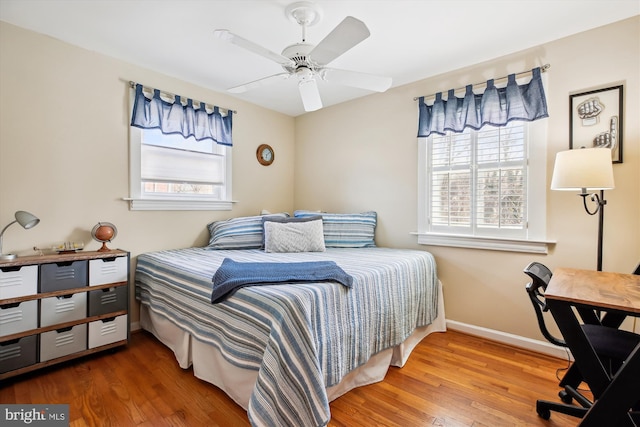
(301, 338)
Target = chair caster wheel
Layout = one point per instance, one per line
(544, 413)
(565, 397)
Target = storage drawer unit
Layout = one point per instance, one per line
(66, 308)
(106, 331)
(63, 275)
(18, 317)
(107, 300)
(108, 270)
(54, 344)
(40, 293)
(18, 281)
(19, 353)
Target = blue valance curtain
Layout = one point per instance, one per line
(175, 118)
(496, 106)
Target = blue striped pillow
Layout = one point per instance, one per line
(355, 230)
(239, 233)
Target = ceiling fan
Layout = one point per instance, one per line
(308, 62)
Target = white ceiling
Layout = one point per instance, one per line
(410, 39)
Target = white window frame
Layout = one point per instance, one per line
(139, 201)
(534, 240)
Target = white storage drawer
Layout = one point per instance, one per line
(108, 270)
(106, 331)
(54, 344)
(61, 309)
(18, 317)
(18, 281)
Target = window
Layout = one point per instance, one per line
(484, 189)
(169, 172)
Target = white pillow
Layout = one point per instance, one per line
(305, 236)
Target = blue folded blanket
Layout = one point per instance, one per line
(233, 275)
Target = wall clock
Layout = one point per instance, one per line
(265, 154)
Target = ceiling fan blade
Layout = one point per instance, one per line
(346, 35)
(228, 36)
(356, 79)
(259, 83)
(310, 95)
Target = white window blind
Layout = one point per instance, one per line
(174, 165)
(477, 181)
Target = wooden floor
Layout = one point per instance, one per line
(451, 379)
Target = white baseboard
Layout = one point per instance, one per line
(543, 347)
(134, 326)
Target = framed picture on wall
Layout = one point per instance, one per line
(596, 120)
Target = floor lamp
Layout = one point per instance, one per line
(586, 170)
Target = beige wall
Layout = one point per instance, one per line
(64, 141)
(64, 115)
(362, 156)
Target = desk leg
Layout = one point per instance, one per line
(613, 399)
(588, 315)
(613, 320)
(623, 392)
(585, 356)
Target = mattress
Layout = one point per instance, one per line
(299, 343)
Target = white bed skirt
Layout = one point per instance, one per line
(238, 383)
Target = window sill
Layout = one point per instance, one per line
(178, 205)
(488, 243)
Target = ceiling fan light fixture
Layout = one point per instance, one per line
(304, 74)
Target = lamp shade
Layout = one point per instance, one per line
(583, 169)
(26, 219)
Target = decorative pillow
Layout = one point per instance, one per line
(239, 233)
(294, 235)
(287, 219)
(355, 230)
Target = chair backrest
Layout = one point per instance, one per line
(540, 277)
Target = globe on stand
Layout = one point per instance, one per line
(104, 232)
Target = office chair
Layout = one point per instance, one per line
(612, 345)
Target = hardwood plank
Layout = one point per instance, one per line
(451, 380)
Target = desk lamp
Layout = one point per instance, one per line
(27, 221)
(585, 170)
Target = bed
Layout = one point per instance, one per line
(284, 351)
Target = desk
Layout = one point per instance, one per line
(614, 293)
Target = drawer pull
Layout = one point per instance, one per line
(64, 264)
(12, 305)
